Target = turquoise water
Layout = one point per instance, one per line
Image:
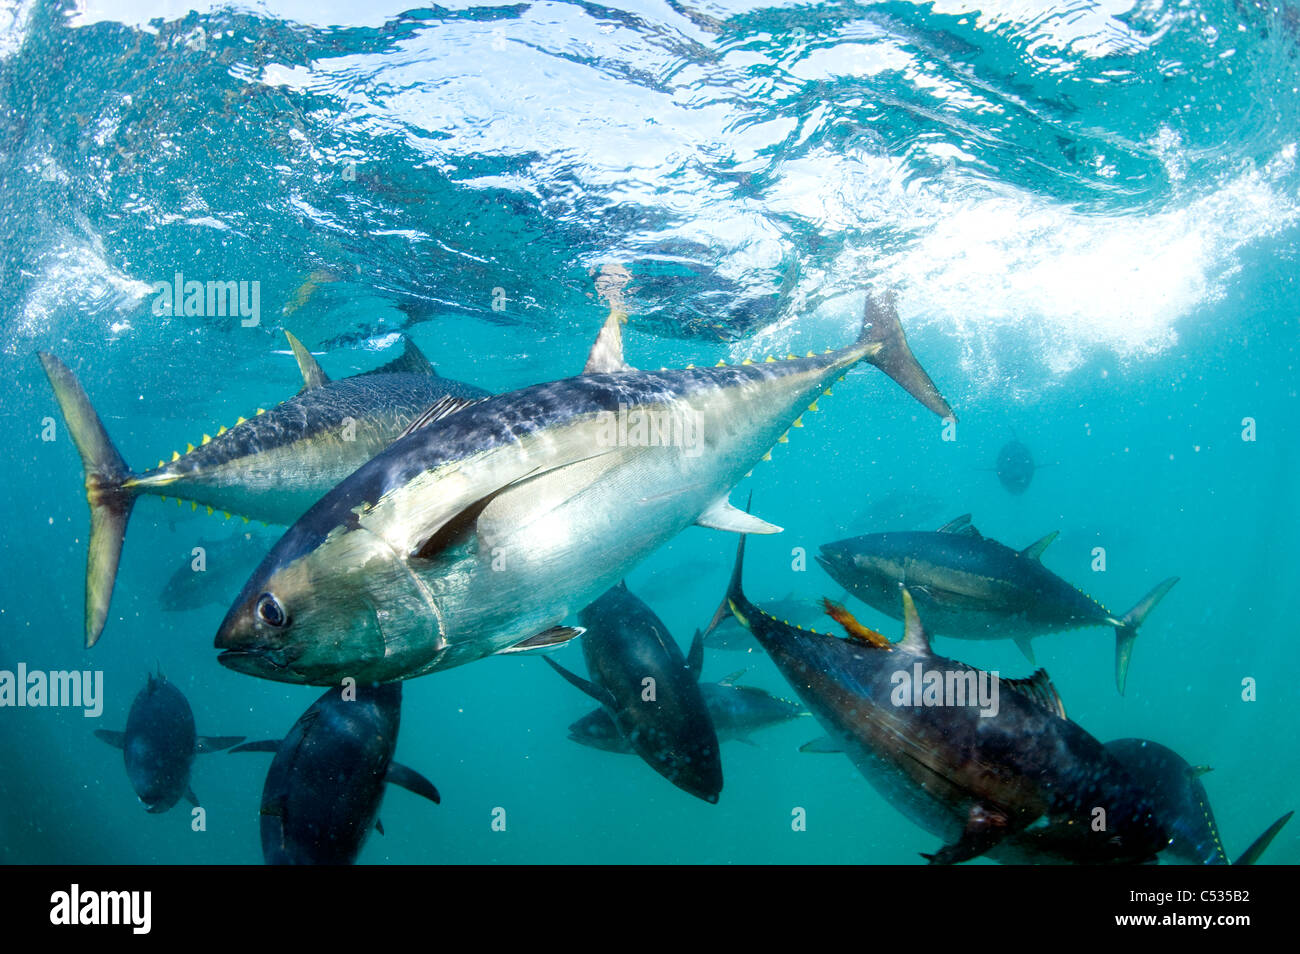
(1090, 213)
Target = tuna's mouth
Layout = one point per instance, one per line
(267, 663)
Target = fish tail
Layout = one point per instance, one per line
(887, 348)
(110, 501)
(1126, 630)
(1251, 854)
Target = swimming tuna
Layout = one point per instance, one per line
(650, 691)
(159, 745)
(987, 765)
(326, 782)
(484, 530)
(737, 713)
(271, 467)
(971, 587)
(1015, 467)
(1182, 804)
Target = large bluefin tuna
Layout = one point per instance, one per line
(270, 467)
(159, 745)
(484, 530)
(990, 766)
(971, 587)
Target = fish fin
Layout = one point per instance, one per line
(455, 525)
(732, 678)
(745, 739)
(1035, 550)
(1026, 646)
(191, 797)
(379, 826)
(412, 781)
(822, 745)
(1127, 629)
(695, 658)
(984, 829)
(116, 739)
(545, 641)
(312, 374)
(856, 631)
(1038, 688)
(606, 356)
(443, 407)
(205, 744)
(721, 515)
(109, 498)
(889, 352)
(603, 696)
(1257, 847)
(962, 526)
(262, 745)
(1196, 771)
(915, 638)
(410, 361)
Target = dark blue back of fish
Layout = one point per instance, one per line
(159, 745)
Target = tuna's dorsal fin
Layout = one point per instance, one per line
(1038, 688)
(204, 744)
(961, 525)
(721, 515)
(410, 361)
(855, 630)
(412, 781)
(822, 745)
(1035, 550)
(915, 638)
(1026, 646)
(443, 407)
(603, 696)
(545, 641)
(695, 659)
(606, 355)
(312, 375)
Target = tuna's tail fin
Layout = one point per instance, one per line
(1251, 854)
(1126, 630)
(891, 354)
(110, 501)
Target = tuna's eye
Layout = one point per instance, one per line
(270, 611)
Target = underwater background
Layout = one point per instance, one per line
(1090, 212)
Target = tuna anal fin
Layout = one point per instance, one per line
(116, 739)
(1257, 847)
(215, 743)
(191, 797)
(312, 375)
(412, 781)
(545, 641)
(721, 515)
(984, 829)
(695, 659)
(1026, 645)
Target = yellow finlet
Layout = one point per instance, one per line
(261, 410)
(206, 439)
(769, 360)
(209, 511)
(164, 499)
(789, 357)
(176, 455)
(784, 438)
(221, 430)
(798, 421)
(827, 392)
(189, 448)
(748, 361)
(160, 463)
(240, 421)
(194, 505)
(720, 364)
(767, 456)
(690, 367)
(245, 520)
(225, 514)
(810, 355)
(812, 406)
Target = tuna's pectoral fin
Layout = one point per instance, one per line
(215, 743)
(603, 696)
(891, 354)
(1026, 646)
(984, 828)
(412, 781)
(312, 375)
(823, 745)
(721, 515)
(545, 641)
(1251, 854)
(191, 797)
(262, 745)
(116, 739)
(695, 659)
(1127, 629)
